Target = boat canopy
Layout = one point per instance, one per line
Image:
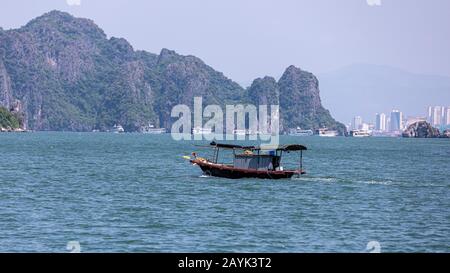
(231, 146)
(287, 147)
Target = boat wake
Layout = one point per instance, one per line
(316, 179)
(375, 182)
(340, 180)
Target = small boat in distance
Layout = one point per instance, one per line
(118, 129)
(360, 133)
(250, 161)
(201, 131)
(299, 132)
(324, 132)
(150, 129)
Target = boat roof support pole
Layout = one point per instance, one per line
(301, 162)
(257, 166)
(217, 155)
(281, 157)
(234, 157)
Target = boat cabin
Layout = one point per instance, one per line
(257, 161)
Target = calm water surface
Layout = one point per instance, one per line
(135, 193)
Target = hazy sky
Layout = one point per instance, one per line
(246, 39)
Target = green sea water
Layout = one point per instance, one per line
(135, 193)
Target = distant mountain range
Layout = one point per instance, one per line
(63, 73)
(364, 89)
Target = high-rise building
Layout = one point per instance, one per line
(356, 123)
(436, 115)
(447, 116)
(430, 115)
(396, 121)
(443, 117)
(380, 122)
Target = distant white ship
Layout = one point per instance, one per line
(327, 133)
(118, 129)
(299, 132)
(360, 133)
(150, 129)
(201, 131)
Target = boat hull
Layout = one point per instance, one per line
(227, 171)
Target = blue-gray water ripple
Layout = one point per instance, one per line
(135, 193)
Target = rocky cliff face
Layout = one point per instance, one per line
(5, 87)
(65, 74)
(264, 91)
(297, 93)
(421, 129)
(180, 78)
(301, 104)
(69, 76)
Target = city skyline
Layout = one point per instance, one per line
(436, 116)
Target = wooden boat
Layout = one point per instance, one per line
(250, 162)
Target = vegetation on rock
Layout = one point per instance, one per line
(8, 120)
